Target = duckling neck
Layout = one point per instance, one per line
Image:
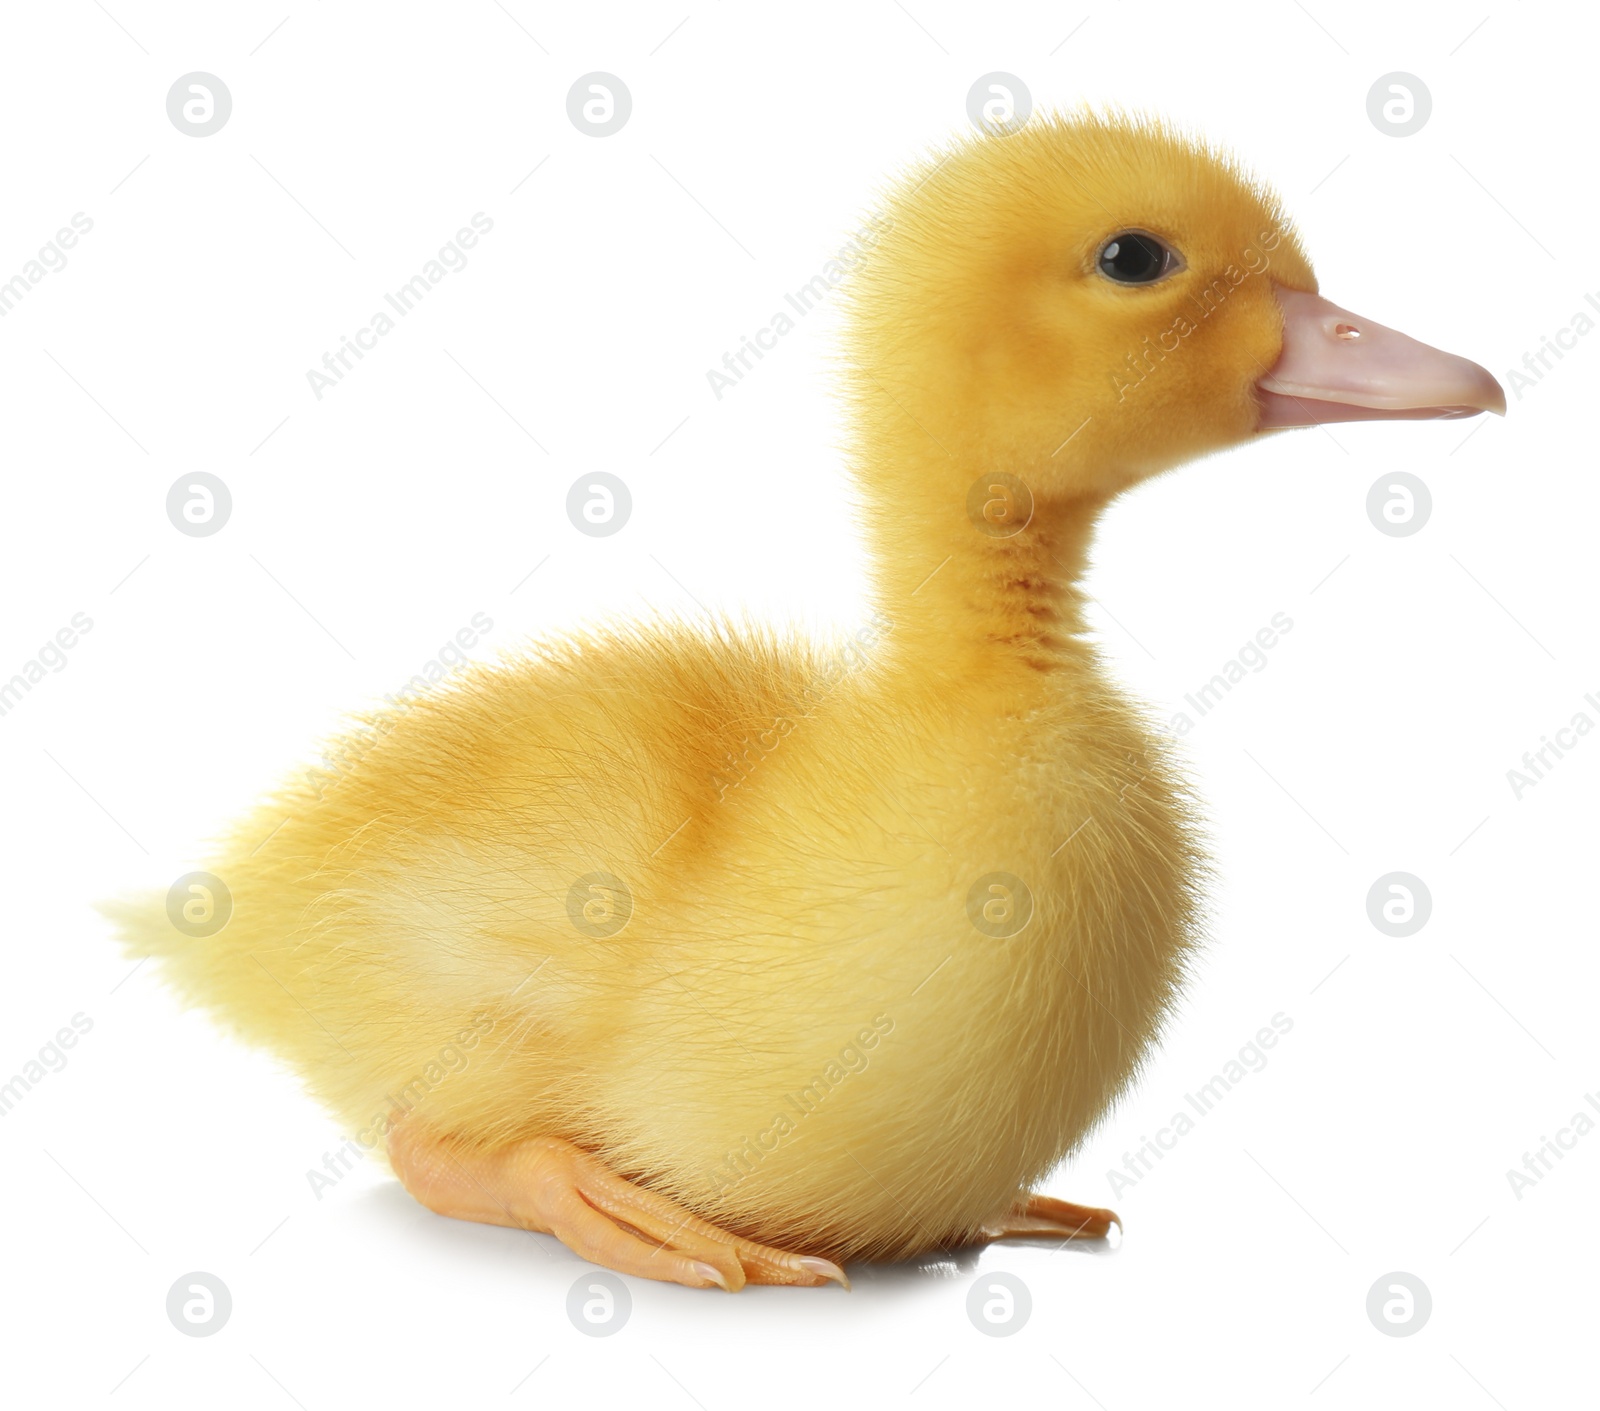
(980, 598)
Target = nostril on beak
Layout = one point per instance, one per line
(1381, 373)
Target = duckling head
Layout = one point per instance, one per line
(1091, 300)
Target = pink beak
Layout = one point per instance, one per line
(1337, 366)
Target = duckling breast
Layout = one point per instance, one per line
(911, 989)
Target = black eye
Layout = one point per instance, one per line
(1131, 258)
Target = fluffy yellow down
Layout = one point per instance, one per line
(801, 1032)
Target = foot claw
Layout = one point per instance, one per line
(826, 1268)
(1042, 1216)
(551, 1185)
(712, 1275)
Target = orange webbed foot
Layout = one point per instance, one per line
(1043, 1216)
(553, 1187)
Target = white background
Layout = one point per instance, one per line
(431, 481)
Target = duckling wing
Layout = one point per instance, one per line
(420, 919)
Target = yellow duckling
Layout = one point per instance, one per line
(726, 958)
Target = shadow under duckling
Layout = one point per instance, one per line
(856, 997)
